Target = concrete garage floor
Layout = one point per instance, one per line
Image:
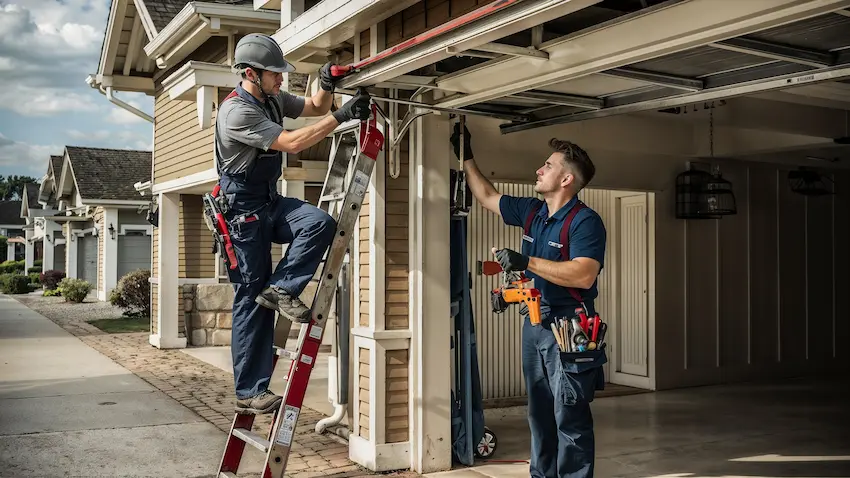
(795, 428)
(67, 410)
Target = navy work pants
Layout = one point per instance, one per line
(309, 231)
(562, 441)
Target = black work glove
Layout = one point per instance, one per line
(467, 142)
(357, 107)
(326, 81)
(511, 260)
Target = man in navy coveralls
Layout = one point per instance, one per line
(562, 441)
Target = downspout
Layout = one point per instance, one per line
(343, 329)
(112, 99)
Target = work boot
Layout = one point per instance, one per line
(265, 402)
(290, 307)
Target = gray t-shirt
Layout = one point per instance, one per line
(242, 126)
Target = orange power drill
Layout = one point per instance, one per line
(515, 289)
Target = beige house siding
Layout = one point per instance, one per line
(363, 383)
(181, 148)
(101, 246)
(196, 259)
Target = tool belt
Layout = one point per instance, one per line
(215, 209)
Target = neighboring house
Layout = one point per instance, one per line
(12, 227)
(31, 212)
(654, 91)
(45, 240)
(101, 217)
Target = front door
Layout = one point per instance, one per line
(87, 259)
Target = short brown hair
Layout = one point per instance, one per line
(576, 159)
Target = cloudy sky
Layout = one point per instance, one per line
(47, 48)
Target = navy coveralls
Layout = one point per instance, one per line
(561, 424)
(259, 216)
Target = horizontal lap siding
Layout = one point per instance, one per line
(101, 244)
(363, 385)
(181, 147)
(195, 256)
(397, 390)
(425, 15)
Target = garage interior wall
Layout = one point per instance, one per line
(737, 298)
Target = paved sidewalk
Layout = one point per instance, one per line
(205, 390)
(67, 410)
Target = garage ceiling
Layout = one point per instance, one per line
(813, 53)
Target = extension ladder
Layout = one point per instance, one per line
(358, 146)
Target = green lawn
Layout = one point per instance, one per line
(122, 325)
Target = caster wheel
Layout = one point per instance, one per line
(487, 446)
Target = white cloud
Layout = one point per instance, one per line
(47, 47)
(24, 158)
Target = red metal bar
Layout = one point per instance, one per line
(445, 27)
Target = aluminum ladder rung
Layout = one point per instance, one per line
(333, 197)
(252, 439)
(285, 353)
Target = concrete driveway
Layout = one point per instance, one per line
(67, 410)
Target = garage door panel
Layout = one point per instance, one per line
(134, 252)
(819, 265)
(842, 266)
(763, 265)
(792, 273)
(733, 257)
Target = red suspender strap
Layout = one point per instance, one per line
(565, 243)
(527, 228)
(231, 95)
(565, 237)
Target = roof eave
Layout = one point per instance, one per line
(199, 21)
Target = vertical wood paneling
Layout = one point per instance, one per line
(733, 274)
(792, 272)
(819, 264)
(603, 203)
(841, 224)
(702, 293)
(632, 318)
(763, 265)
(670, 295)
(498, 335)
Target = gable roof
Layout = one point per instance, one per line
(103, 173)
(56, 165)
(31, 193)
(10, 213)
(162, 12)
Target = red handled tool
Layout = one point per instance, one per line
(214, 209)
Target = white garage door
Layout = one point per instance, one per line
(134, 252)
(87, 259)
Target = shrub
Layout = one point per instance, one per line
(53, 293)
(51, 279)
(12, 267)
(34, 269)
(16, 284)
(37, 263)
(4, 278)
(35, 278)
(133, 293)
(74, 290)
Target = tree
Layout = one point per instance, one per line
(12, 187)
